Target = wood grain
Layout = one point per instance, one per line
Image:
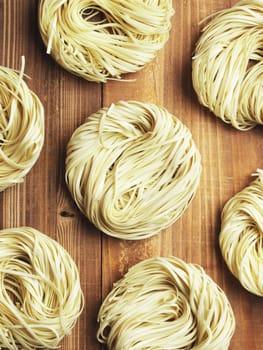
(43, 201)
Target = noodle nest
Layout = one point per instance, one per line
(228, 65)
(21, 127)
(40, 293)
(241, 236)
(132, 169)
(102, 39)
(165, 303)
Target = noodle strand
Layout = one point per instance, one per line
(241, 236)
(132, 169)
(103, 39)
(21, 127)
(228, 65)
(40, 293)
(165, 303)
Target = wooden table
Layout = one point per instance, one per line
(43, 201)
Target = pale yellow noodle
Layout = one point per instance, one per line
(40, 293)
(241, 236)
(228, 65)
(102, 39)
(132, 169)
(166, 304)
(21, 127)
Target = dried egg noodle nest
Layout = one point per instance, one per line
(228, 65)
(132, 169)
(241, 236)
(102, 39)
(165, 303)
(21, 127)
(40, 293)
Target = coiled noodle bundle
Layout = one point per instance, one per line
(102, 39)
(228, 65)
(241, 236)
(21, 127)
(132, 169)
(40, 293)
(165, 303)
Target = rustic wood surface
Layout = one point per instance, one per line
(43, 201)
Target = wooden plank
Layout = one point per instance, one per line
(43, 201)
(228, 159)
